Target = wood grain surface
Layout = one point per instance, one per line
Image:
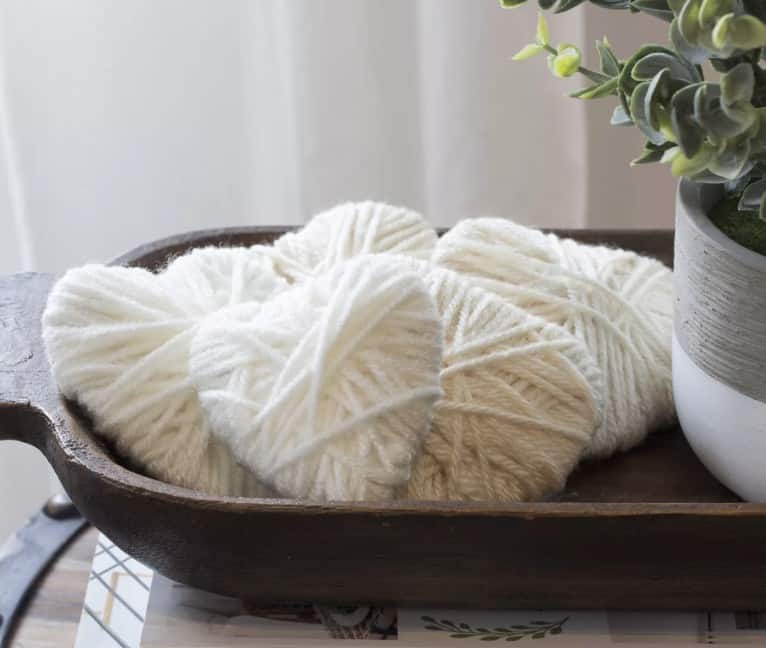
(52, 615)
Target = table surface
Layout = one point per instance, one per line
(53, 614)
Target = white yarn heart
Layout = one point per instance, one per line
(617, 302)
(118, 341)
(349, 230)
(207, 279)
(326, 391)
(522, 399)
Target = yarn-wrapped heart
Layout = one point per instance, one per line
(349, 230)
(326, 391)
(522, 398)
(617, 302)
(118, 342)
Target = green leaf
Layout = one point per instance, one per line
(737, 84)
(626, 84)
(687, 131)
(731, 160)
(670, 154)
(596, 91)
(710, 114)
(511, 4)
(528, 51)
(743, 112)
(676, 6)
(594, 76)
(566, 5)
(648, 66)
(620, 117)
(658, 94)
(656, 8)
(609, 63)
(742, 32)
(711, 10)
(688, 20)
(683, 166)
(691, 52)
(543, 34)
(638, 113)
(752, 196)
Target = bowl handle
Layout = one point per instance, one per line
(29, 399)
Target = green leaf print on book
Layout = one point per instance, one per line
(532, 630)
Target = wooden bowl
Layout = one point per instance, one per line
(649, 529)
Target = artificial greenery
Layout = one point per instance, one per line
(741, 226)
(532, 630)
(711, 132)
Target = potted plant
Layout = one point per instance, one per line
(700, 101)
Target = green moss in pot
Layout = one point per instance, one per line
(700, 101)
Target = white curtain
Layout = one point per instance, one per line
(122, 122)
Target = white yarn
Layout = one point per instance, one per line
(521, 399)
(349, 230)
(326, 391)
(617, 302)
(206, 279)
(118, 341)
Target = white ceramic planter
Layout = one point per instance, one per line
(719, 346)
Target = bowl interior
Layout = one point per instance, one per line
(662, 470)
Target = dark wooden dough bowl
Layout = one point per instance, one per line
(648, 529)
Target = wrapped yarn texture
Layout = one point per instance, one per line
(617, 302)
(326, 392)
(350, 230)
(118, 341)
(522, 399)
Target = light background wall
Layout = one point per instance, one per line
(122, 122)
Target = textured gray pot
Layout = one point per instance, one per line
(719, 345)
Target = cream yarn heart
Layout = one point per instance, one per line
(349, 230)
(521, 399)
(618, 303)
(326, 391)
(118, 341)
